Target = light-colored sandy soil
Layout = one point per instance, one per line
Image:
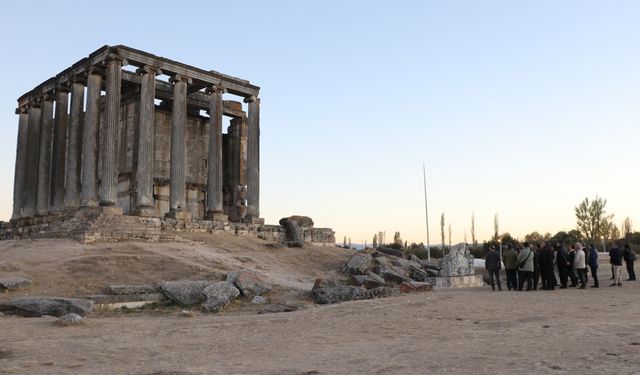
(473, 331)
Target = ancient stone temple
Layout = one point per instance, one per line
(126, 133)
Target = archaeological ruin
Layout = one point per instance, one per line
(128, 145)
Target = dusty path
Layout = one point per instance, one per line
(445, 332)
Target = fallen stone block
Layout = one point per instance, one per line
(124, 289)
(304, 222)
(392, 274)
(185, 292)
(390, 251)
(70, 319)
(338, 294)
(218, 295)
(13, 282)
(248, 282)
(374, 281)
(38, 306)
(278, 308)
(358, 264)
(382, 292)
(412, 287)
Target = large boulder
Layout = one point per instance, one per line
(185, 292)
(248, 283)
(13, 282)
(358, 264)
(38, 306)
(370, 280)
(218, 295)
(382, 292)
(416, 272)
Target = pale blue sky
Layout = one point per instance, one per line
(520, 108)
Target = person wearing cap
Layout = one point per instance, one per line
(493, 266)
(579, 264)
(510, 259)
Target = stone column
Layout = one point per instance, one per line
(214, 171)
(59, 150)
(21, 154)
(108, 191)
(253, 160)
(44, 158)
(177, 173)
(74, 143)
(89, 196)
(146, 134)
(31, 165)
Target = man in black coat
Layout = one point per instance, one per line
(629, 259)
(493, 265)
(562, 261)
(546, 267)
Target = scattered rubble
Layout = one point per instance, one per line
(39, 306)
(12, 282)
(70, 319)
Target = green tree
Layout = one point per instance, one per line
(567, 238)
(592, 219)
(627, 227)
(474, 243)
(344, 242)
(495, 227)
(397, 240)
(375, 240)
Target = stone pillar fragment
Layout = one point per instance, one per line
(146, 134)
(31, 165)
(21, 155)
(74, 142)
(214, 171)
(177, 172)
(44, 158)
(253, 159)
(108, 191)
(58, 168)
(89, 196)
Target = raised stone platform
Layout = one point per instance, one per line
(470, 281)
(99, 225)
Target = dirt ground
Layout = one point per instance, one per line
(592, 331)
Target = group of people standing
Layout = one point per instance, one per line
(524, 264)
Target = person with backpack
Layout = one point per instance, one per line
(525, 267)
(629, 259)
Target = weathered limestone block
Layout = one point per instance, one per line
(70, 319)
(392, 273)
(413, 286)
(458, 262)
(125, 289)
(13, 282)
(248, 283)
(293, 236)
(358, 264)
(185, 292)
(218, 295)
(38, 306)
(341, 293)
(304, 222)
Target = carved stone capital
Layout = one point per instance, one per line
(96, 70)
(35, 102)
(22, 110)
(115, 58)
(50, 96)
(63, 87)
(180, 77)
(149, 69)
(215, 88)
(250, 99)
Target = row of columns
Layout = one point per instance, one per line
(56, 164)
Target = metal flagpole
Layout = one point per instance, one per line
(426, 211)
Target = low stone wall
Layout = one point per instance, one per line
(97, 225)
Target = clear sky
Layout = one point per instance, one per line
(521, 108)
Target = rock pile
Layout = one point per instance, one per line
(374, 274)
(215, 295)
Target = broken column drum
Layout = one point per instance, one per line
(127, 132)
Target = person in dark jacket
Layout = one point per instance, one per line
(510, 259)
(562, 260)
(546, 267)
(593, 265)
(615, 254)
(493, 265)
(572, 271)
(629, 259)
